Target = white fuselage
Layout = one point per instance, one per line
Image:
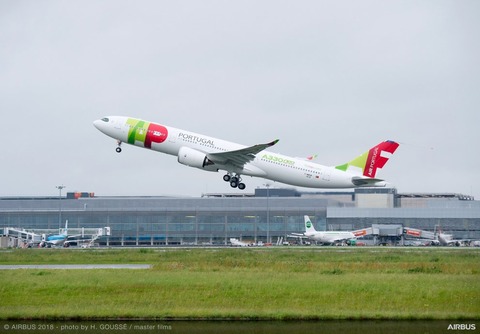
(265, 164)
(330, 237)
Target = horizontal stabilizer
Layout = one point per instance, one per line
(368, 182)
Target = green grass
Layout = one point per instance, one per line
(285, 283)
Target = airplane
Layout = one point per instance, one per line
(448, 240)
(212, 154)
(236, 242)
(327, 237)
(62, 239)
(56, 239)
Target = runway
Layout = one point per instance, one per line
(75, 266)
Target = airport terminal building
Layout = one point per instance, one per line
(266, 215)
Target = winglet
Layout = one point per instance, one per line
(273, 142)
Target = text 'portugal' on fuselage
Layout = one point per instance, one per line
(212, 154)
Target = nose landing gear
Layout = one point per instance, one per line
(118, 149)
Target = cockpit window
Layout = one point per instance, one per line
(105, 119)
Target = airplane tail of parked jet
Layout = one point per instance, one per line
(309, 229)
(65, 230)
(367, 163)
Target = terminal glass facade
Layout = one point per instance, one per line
(214, 220)
(167, 221)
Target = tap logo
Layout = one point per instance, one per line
(145, 132)
(375, 160)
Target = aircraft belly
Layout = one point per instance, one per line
(252, 170)
(302, 179)
(167, 148)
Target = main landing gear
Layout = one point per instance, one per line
(235, 181)
(118, 149)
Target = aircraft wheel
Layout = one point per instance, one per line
(118, 149)
(226, 178)
(234, 183)
(241, 186)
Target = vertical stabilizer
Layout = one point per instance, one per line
(65, 231)
(368, 163)
(309, 226)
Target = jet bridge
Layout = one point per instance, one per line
(413, 232)
(19, 237)
(392, 234)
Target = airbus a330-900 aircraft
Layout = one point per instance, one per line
(212, 154)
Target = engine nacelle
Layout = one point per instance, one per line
(193, 158)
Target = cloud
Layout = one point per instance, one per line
(332, 78)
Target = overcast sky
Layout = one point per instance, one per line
(327, 77)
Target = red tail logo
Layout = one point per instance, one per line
(375, 159)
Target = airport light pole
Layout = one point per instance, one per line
(268, 211)
(60, 206)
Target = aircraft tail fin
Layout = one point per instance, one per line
(309, 226)
(368, 163)
(65, 231)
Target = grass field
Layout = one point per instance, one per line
(276, 283)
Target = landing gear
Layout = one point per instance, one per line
(235, 181)
(118, 149)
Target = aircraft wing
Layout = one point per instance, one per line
(239, 157)
(297, 235)
(80, 240)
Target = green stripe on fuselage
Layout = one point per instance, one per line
(359, 162)
(137, 130)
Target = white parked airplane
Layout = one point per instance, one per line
(212, 154)
(326, 237)
(236, 242)
(448, 240)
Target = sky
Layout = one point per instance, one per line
(331, 78)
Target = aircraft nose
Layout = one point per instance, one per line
(97, 124)
(101, 124)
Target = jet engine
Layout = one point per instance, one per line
(193, 158)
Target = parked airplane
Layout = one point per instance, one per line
(62, 239)
(448, 240)
(327, 237)
(236, 242)
(212, 154)
(56, 239)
